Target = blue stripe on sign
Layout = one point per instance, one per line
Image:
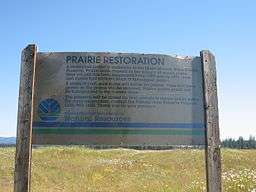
(43, 108)
(118, 124)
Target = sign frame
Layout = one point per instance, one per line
(23, 156)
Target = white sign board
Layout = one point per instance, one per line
(118, 99)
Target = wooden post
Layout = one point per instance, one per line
(24, 122)
(213, 157)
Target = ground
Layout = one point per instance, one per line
(68, 169)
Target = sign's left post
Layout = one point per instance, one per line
(24, 123)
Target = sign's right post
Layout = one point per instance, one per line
(213, 157)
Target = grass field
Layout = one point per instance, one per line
(78, 169)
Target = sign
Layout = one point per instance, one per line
(119, 99)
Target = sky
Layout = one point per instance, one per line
(226, 28)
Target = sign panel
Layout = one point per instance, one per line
(118, 99)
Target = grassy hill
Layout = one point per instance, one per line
(68, 169)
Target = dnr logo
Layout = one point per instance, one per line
(49, 110)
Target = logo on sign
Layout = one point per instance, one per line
(49, 110)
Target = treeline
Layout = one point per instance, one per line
(240, 143)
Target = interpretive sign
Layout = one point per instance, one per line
(117, 99)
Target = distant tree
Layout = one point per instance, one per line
(252, 142)
(241, 143)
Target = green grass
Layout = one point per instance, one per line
(77, 169)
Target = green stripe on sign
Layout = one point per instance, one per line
(116, 131)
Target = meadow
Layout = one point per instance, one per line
(75, 169)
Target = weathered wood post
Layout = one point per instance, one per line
(24, 122)
(213, 157)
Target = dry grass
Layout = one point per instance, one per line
(77, 169)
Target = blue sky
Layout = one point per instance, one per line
(227, 28)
